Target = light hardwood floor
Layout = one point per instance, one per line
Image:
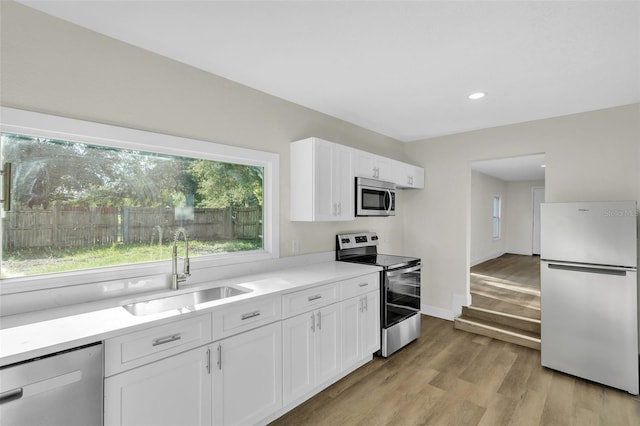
(451, 377)
(509, 283)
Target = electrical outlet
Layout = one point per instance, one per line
(295, 246)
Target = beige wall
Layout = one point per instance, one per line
(50, 66)
(589, 156)
(54, 67)
(482, 244)
(519, 216)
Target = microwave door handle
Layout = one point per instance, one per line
(388, 204)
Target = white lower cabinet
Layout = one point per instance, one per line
(247, 376)
(360, 328)
(172, 391)
(311, 350)
(244, 364)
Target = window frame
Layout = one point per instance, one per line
(55, 127)
(496, 217)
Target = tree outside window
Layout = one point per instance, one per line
(78, 206)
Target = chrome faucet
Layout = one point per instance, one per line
(175, 277)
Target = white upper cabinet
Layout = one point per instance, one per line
(373, 166)
(321, 181)
(322, 178)
(407, 175)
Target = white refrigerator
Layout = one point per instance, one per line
(589, 291)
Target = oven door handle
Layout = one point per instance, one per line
(396, 272)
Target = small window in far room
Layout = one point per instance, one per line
(496, 216)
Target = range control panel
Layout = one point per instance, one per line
(362, 239)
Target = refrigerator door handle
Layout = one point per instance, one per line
(593, 269)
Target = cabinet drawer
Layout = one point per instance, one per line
(142, 347)
(243, 316)
(359, 285)
(309, 299)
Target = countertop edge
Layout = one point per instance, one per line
(39, 338)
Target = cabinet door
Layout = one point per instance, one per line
(324, 182)
(328, 342)
(321, 186)
(370, 324)
(247, 379)
(172, 391)
(298, 356)
(333, 182)
(343, 183)
(373, 166)
(384, 169)
(365, 165)
(407, 175)
(351, 343)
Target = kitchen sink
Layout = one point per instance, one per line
(154, 306)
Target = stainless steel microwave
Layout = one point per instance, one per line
(375, 197)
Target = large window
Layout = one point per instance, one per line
(91, 201)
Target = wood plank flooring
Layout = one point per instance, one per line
(509, 283)
(451, 377)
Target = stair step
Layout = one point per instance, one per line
(498, 331)
(485, 301)
(502, 318)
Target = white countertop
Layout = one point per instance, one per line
(35, 334)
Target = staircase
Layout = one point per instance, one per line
(510, 328)
(505, 301)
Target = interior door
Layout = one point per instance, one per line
(538, 198)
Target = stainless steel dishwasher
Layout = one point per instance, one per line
(64, 388)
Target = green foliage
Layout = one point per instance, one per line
(49, 171)
(227, 184)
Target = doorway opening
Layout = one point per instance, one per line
(504, 275)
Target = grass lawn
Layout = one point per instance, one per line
(52, 260)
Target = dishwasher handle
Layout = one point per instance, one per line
(11, 395)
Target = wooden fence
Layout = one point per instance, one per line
(67, 226)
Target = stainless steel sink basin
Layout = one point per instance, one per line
(168, 303)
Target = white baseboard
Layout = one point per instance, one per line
(458, 301)
(434, 311)
(521, 252)
(479, 260)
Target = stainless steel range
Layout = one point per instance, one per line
(399, 286)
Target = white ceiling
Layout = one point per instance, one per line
(403, 69)
(513, 169)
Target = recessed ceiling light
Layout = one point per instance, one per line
(477, 95)
(543, 165)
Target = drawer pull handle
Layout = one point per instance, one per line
(316, 297)
(11, 395)
(363, 284)
(250, 315)
(167, 339)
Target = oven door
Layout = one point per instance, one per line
(375, 198)
(401, 298)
